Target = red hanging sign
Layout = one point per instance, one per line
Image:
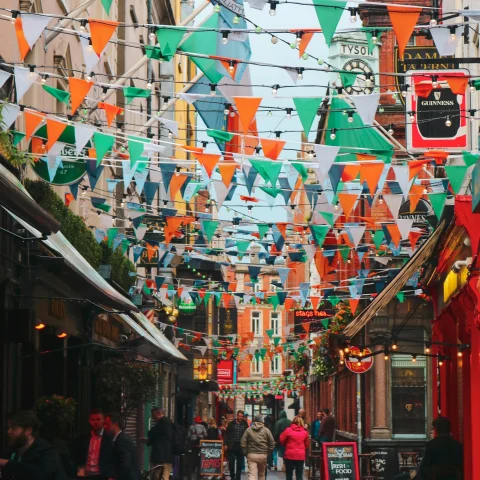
(359, 362)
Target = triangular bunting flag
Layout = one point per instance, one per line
(247, 108)
(101, 32)
(78, 90)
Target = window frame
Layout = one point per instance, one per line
(260, 323)
(276, 371)
(276, 331)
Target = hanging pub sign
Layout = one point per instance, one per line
(436, 118)
(311, 315)
(211, 458)
(225, 372)
(340, 461)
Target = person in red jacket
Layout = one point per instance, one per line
(295, 439)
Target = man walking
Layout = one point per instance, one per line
(327, 427)
(125, 461)
(235, 431)
(31, 458)
(92, 452)
(257, 442)
(160, 441)
(315, 431)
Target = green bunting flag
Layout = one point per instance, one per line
(220, 135)
(329, 217)
(269, 170)
(369, 34)
(456, 175)
(133, 92)
(242, 247)
(269, 333)
(274, 301)
(325, 323)
(319, 233)
(348, 79)
(153, 52)
(17, 137)
(273, 192)
(276, 341)
(400, 296)
(307, 110)
(344, 251)
(106, 5)
(438, 203)
(60, 95)
(262, 229)
(125, 244)
(135, 148)
(169, 39)
(378, 238)
(329, 13)
(301, 169)
(103, 144)
(111, 234)
(209, 227)
(470, 158)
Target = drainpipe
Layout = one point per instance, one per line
(149, 66)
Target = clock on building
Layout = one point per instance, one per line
(364, 70)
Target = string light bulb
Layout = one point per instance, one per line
(275, 90)
(150, 84)
(448, 122)
(90, 45)
(236, 20)
(104, 93)
(472, 86)
(333, 134)
(433, 22)
(217, 8)
(350, 117)
(394, 345)
(90, 76)
(213, 87)
(390, 130)
(231, 68)
(311, 154)
(224, 37)
(269, 114)
(289, 113)
(414, 358)
(32, 71)
(380, 199)
(151, 35)
(227, 108)
(300, 73)
(273, 8)
(44, 78)
(427, 348)
(434, 81)
(298, 40)
(453, 33)
(274, 40)
(412, 117)
(353, 15)
(374, 37)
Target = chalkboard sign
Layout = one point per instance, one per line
(211, 458)
(384, 465)
(340, 460)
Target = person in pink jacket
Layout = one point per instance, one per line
(295, 439)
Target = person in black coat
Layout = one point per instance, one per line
(125, 461)
(31, 458)
(92, 452)
(160, 441)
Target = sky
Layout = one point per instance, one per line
(263, 50)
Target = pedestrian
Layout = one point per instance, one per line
(443, 455)
(296, 441)
(125, 462)
(197, 432)
(247, 419)
(235, 431)
(213, 432)
(223, 427)
(315, 430)
(160, 441)
(92, 452)
(303, 415)
(282, 423)
(272, 457)
(30, 457)
(257, 442)
(327, 427)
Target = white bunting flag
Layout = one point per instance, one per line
(4, 76)
(394, 202)
(402, 176)
(404, 227)
(140, 231)
(366, 106)
(24, 79)
(191, 98)
(169, 125)
(140, 179)
(83, 133)
(356, 233)
(257, 4)
(10, 113)
(221, 192)
(325, 155)
(202, 349)
(128, 173)
(89, 56)
(445, 42)
(33, 26)
(310, 251)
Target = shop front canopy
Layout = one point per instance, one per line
(389, 292)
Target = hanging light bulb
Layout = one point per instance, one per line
(22, 108)
(32, 71)
(44, 78)
(90, 76)
(433, 22)
(394, 345)
(412, 117)
(269, 114)
(258, 29)
(453, 33)
(414, 358)
(390, 130)
(84, 192)
(333, 134)
(448, 122)
(353, 15)
(213, 87)
(368, 80)
(232, 114)
(289, 113)
(170, 135)
(472, 86)
(425, 191)
(236, 20)
(227, 108)
(15, 14)
(374, 37)
(311, 154)
(274, 40)
(122, 203)
(104, 94)
(152, 35)
(336, 206)
(231, 68)
(350, 117)
(273, 7)
(224, 37)
(380, 199)
(275, 90)
(150, 84)
(440, 362)
(217, 8)
(300, 73)
(434, 81)
(299, 38)
(90, 45)
(427, 348)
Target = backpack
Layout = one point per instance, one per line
(196, 433)
(178, 439)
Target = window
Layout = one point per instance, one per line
(409, 416)
(276, 365)
(257, 287)
(273, 288)
(255, 368)
(257, 324)
(202, 369)
(275, 323)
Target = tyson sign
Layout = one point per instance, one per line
(436, 117)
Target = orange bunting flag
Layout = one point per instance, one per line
(231, 68)
(416, 193)
(246, 198)
(227, 170)
(440, 156)
(413, 237)
(363, 157)
(423, 89)
(23, 45)
(347, 201)
(111, 111)
(314, 301)
(288, 304)
(171, 227)
(208, 160)
(54, 130)
(37, 148)
(226, 299)
(282, 228)
(272, 148)
(101, 32)
(350, 172)
(416, 166)
(404, 20)
(306, 37)
(32, 121)
(306, 326)
(457, 85)
(78, 91)
(247, 108)
(69, 198)
(190, 149)
(394, 233)
(371, 173)
(176, 184)
(151, 249)
(353, 302)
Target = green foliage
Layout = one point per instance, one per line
(121, 383)
(56, 414)
(77, 233)
(10, 153)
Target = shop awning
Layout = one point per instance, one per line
(387, 294)
(98, 288)
(161, 340)
(14, 197)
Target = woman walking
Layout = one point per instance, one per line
(296, 441)
(213, 432)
